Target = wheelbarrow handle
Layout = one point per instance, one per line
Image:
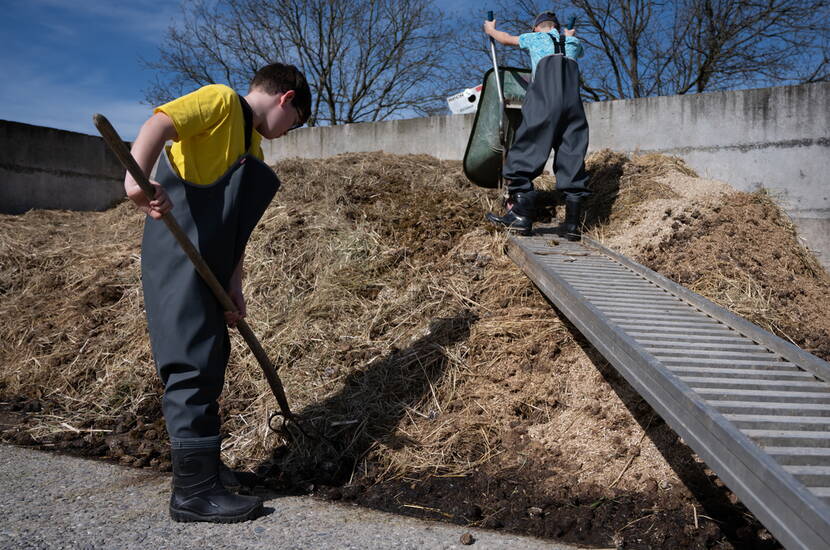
(500, 91)
(119, 148)
(571, 22)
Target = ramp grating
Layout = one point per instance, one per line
(753, 406)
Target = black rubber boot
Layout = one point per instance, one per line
(571, 227)
(236, 481)
(520, 214)
(198, 495)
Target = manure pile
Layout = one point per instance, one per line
(447, 387)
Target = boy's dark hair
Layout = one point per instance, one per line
(278, 78)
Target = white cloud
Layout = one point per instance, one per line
(34, 98)
(147, 19)
(127, 117)
(50, 78)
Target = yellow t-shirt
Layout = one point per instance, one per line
(211, 132)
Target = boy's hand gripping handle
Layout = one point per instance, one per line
(115, 143)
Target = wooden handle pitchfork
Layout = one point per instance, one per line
(116, 144)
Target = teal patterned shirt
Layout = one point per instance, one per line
(539, 45)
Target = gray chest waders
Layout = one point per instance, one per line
(552, 118)
(187, 327)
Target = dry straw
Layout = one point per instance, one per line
(401, 330)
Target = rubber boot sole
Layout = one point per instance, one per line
(237, 481)
(495, 220)
(186, 516)
(568, 235)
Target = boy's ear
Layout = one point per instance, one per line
(287, 97)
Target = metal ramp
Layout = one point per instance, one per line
(753, 406)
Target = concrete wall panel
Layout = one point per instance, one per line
(48, 168)
(444, 137)
(775, 138)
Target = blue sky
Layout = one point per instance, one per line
(63, 60)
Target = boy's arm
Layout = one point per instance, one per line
(235, 292)
(573, 46)
(500, 36)
(146, 149)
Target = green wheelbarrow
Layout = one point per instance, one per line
(494, 127)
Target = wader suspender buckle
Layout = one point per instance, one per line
(558, 46)
(248, 115)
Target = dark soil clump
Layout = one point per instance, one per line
(744, 254)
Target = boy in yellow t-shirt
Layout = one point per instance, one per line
(210, 125)
(214, 182)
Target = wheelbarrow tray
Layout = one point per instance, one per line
(483, 156)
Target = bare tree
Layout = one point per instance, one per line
(473, 47)
(640, 48)
(365, 60)
(750, 42)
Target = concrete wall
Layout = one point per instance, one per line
(776, 138)
(444, 137)
(48, 168)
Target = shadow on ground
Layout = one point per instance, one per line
(740, 527)
(515, 493)
(343, 428)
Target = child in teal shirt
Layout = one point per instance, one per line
(542, 44)
(552, 118)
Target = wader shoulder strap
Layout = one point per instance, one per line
(558, 46)
(248, 115)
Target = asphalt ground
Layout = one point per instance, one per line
(54, 501)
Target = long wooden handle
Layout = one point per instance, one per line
(116, 144)
(502, 133)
